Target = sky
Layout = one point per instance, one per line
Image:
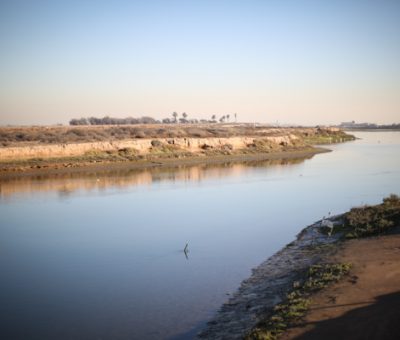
(285, 62)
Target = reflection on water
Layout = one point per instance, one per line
(67, 183)
(101, 255)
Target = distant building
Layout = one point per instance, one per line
(354, 125)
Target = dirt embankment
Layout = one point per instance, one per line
(364, 306)
(35, 148)
(331, 282)
(268, 286)
(144, 146)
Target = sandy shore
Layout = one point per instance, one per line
(365, 305)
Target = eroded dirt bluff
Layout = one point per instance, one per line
(142, 146)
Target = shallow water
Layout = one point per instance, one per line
(100, 255)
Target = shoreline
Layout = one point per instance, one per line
(252, 312)
(363, 305)
(269, 284)
(68, 167)
(41, 149)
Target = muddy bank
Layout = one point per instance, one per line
(270, 282)
(365, 305)
(287, 278)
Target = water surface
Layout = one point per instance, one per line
(99, 255)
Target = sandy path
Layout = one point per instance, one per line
(365, 305)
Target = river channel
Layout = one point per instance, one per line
(99, 255)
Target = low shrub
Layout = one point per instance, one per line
(156, 143)
(373, 220)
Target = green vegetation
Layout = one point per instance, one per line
(370, 220)
(373, 220)
(162, 150)
(292, 310)
(324, 136)
(127, 154)
(358, 222)
(264, 145)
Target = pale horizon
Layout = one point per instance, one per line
(284, 62)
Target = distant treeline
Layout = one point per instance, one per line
(380, 127)
(149, 120)
(368, 126)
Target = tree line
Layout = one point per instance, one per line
(175, 119)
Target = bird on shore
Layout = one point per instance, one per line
(327, 223)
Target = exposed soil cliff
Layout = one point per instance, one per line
(146, 146)
(30, 150)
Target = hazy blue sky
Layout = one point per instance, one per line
(294, 61)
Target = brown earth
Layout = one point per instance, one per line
(163, 146)
(366, 305)
(38, 148)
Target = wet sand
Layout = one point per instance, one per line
(364, 305)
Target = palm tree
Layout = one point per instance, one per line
(227, 117)
(175, 115)
(213, 117)
(184, 115)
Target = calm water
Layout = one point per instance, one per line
(99, 255)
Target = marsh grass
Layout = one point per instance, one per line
(328, 137)
(126, 154)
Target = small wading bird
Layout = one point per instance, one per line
(186, 250)
(328, 223)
